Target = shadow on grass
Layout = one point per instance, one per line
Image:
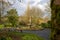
(18, 36)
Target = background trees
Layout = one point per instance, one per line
(3, 5)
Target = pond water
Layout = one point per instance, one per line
(42, 33)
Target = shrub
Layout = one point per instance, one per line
(22, 23)
(7, 24)
(2, 38)
(8, 38)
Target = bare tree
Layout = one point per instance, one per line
(36, 13)
(3, 6)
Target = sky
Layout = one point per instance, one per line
(21, 5)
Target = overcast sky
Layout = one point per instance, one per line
(20, 5)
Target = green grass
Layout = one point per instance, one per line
(21, 36)
(1, 26)
(31, 37)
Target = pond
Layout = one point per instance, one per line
(42, 33)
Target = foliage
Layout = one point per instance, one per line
(49, 24)
(7, 25)
(43, 25)
(13, 17)
(46, 25)
(55, 19)
(22, 23)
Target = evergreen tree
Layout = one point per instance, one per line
(12, 17)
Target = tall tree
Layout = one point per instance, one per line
(36, 14)
(13, 17)
(55, 33)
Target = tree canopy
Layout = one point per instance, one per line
(12, 16)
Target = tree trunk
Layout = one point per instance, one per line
(55, 21)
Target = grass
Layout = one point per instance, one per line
(1, 26)
(31, 37)
(19, 36)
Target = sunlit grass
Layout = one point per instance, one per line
(1, 26)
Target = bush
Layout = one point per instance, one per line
(5, 38)
(8, 38)
(2, 38)
(7, 24)
(44, 25)
(22, 23)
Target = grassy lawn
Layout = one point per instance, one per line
(18, 36)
